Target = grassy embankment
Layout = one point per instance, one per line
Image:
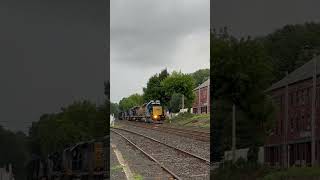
(294, 173)
(190, 120)
(246, 171)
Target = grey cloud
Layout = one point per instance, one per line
(255, 18)
(147, 36)
(148, 32)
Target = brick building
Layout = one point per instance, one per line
(294, 148)
(202, 101)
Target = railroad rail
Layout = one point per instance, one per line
(197, 135)
(159, 149)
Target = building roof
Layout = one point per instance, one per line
(302, 73)
(204, 84)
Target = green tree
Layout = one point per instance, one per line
(79, 121)
(131, 101)
(200, 76)
(292, 46)
(13, 151)
(114, 109)
(181, 83)
(241, 71)
(175, 102)
(154, 89)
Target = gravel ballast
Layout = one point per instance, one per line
(185, 166)
(141, 166)
(190, 145)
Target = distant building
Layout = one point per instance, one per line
(202, 101)
(298, 153)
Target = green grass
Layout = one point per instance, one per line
(294, 172)
(117, 168)
(191, 120)
(137, 177)
(242, 170)
(250, 171)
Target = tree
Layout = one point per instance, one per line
(79, 121)
(292, 46)
(241, 71)
(114, 109)
(13, 151)
(154, 89)
(175, 102)
(131, 101)
(200, 76)
(181, 83)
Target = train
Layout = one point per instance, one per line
(151, 112)
(82, 161)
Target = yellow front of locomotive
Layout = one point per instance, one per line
(157, 113)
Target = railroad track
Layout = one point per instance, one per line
(197, 135)
(179, 163)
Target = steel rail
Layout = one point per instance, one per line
(149, 156)
(178, 149)
(198, 135)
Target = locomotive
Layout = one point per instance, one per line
(148, 112)
(84, 160)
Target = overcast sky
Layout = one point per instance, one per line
(52, 52)
(149, 35)
(260, 17)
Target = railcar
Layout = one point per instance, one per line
(83, 161)
(148, 112)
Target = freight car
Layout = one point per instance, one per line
(148, 112)
(83, 161)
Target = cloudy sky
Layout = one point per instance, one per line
(259, 17)
(148, 36)
(52, 52)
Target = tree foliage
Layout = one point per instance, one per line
(154, 89)
(114, 109)
(200, 76)
(13, 151)
(181, 83)
(77, 122)
(131, 101)
(175, 103)
(292, 46)
(241, 71)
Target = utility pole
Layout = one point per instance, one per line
(286, 157)
(313, 119)
(182, 101)
(234, 133)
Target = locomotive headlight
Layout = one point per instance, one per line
(155, 116)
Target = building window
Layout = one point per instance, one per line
(195, 111)
(204, 109)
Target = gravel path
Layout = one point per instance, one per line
(183, 165)
(140, 165)
(116, 170)
(190, 145)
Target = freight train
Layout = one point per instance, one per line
(82, 161)
(148, 112)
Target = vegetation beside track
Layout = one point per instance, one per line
(252, 171)
(240, 170)
(190, 120)
(294, 173)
